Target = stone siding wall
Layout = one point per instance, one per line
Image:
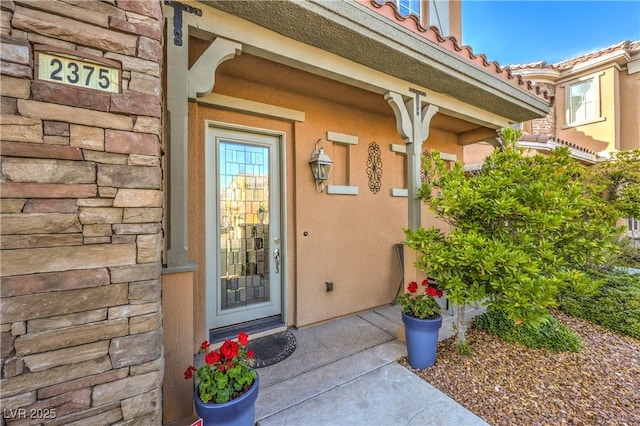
(82, 202)
(546, 125)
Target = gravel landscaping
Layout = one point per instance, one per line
(507, 384)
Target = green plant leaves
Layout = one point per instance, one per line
(523, 229)
(615, 306)
(226, 373)
(547, 332)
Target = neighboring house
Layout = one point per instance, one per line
(596, 105)
(596, 109)
(229, 225)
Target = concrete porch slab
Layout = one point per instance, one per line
(345, 373)
(390, 395)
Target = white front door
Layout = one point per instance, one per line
(243, 226)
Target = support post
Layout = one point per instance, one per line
(177, 107)
(185, 84)
(412, 123)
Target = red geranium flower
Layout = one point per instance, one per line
(229, 349)
(421, 304)
(189, 373)
(212, 357)
(243, 338)
(226, 373)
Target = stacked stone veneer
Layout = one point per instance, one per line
(81, 191)
(547, 124)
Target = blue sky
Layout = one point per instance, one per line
(516, 32)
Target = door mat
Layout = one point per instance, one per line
(271, 349)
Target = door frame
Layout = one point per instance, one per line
(211, 170)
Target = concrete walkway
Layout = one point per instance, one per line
(345, 372)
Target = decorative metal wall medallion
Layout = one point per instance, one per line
(374, 167)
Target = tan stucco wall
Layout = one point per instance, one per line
(455, 20)
(349, 237)
(629, 111)
(596, 136)
(476, 153)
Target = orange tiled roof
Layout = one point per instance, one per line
(545, 138)
(537, 64)
(389, 9)
(630, 46)
(568, 63)
(572, 145)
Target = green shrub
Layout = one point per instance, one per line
(465, 349)
(629, 252)
(616, 306)
(521, 230)
(548, 333)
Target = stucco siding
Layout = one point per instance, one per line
(346, 239)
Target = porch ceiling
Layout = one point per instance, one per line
(264, 72)
(354, 32)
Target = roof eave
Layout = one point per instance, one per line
(618, 58)
(548, 74)
(548, 144)
(352, 31)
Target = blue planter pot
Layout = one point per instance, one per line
(237, 412)
(422, 340)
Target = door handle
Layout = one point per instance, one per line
(276, 256)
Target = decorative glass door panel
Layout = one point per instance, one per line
(244, 225)
(245, 279)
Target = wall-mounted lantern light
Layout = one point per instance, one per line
(320, 166)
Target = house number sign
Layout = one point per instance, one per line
(79, 71)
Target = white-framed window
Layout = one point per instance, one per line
(633, 224)
(409, 7)
(429, 12)
(582, 100)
